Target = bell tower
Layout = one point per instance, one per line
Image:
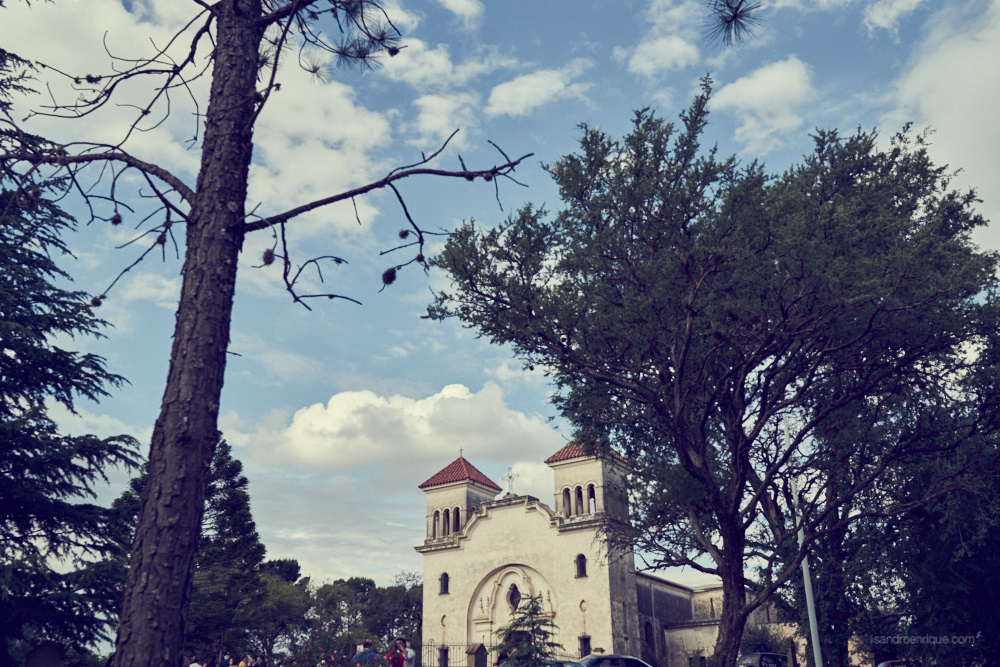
(453, 495)
(587, 486)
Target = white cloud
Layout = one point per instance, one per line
(405, 20)
(669, 44)
(885, 14)
(314, 140)
(521, 96)
(670, 52)
(514, 372)
(438, 116)
(670, 16)
(424, 68)
(766, 103)
(125, 35)
(369, 453)
(469, 11)
(359, 428)
(534, 478)
(951, 86)
(164, 292)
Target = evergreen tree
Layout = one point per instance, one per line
(284, 568)
(230, 555)
(227, 580)
(527, 639)
(61, 570)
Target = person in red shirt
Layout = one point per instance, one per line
(395, 656)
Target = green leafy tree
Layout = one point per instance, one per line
(930, 572)
(761, 638)
(949, 569)
(528, 639)
(276, 615)
(348, 611)
(396, 610)
(61, 570)
(861, 566)
(685, 304)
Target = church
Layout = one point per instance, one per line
(484, 552)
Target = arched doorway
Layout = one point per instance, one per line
(497, 596)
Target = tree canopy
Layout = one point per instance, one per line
(685, 304)
(61, 569)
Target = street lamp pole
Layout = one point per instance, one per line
(806, 578)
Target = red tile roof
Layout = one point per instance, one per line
(575, 450)
(459, 470)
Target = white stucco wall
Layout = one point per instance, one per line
(519, 540)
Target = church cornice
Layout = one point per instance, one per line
(438, 544)
(454, 540)
(585, 522)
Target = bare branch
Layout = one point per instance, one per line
(485, 174)
(58, 157)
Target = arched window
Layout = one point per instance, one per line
(567, 507)
(444, 583)
(649, 635)
(513, 597)
(584, 646)
(447, 523)
(456, 517)
(581, 566)
(591, 499)
(435, 524)
(579, 500)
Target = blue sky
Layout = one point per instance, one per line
(339, 413)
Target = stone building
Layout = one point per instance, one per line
(485, 552)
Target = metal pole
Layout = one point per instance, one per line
(806, 578)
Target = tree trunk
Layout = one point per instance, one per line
(734, 595)
(163, 554)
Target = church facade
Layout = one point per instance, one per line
(483, 553)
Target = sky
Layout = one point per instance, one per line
(339, 413)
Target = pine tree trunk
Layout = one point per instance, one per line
(161, 567)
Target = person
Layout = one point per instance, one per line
(395, 657)
(408, 655)
(365, 656)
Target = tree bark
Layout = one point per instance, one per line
(734, 595)
(163, 555)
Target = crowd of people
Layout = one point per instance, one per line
(398, 654)
(227, 661)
